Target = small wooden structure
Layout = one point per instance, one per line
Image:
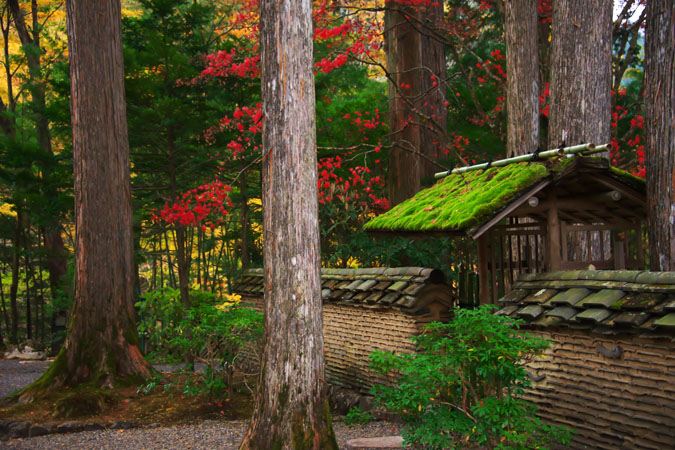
(610, 373)
(530, 217)
(365, 310)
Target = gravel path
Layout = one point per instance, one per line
(15, 374)
(207, 435)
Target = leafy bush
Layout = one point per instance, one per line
(212, 332)
(463, 388)
(356, 416)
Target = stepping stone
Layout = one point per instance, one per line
(38, 430)
(384, 442)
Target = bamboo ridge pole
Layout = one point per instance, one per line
(585, 149)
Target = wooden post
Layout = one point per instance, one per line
(619, 255)
(553, 235)
(483, 276)
(638, 247)
(493, 266)
(563, 240)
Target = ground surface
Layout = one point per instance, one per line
(164, 421)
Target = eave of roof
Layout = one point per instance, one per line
(604, 301)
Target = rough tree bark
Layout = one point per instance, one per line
(522, 82)
(102, 344)
(660, 131)
(581, 72)
(433, 136)
(403, 63)
(291, 406)
(417, 112)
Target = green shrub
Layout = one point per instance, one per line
(356, 416)
(463, 386)
(212, 331)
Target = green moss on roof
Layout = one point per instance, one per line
(461, 201)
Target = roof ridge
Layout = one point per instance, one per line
(625, 276)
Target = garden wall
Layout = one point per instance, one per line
(610, 373)
(366, 310)
(612, 402)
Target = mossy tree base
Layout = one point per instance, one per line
(292, 427)
(94, 368)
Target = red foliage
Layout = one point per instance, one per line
(360, 188)
(203, 206)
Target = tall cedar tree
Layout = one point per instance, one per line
(102, 344)
(522, 82)
(417, 111)
(581, 72)
(291, 406)
(660, 127)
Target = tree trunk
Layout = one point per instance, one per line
(3, 305)
(581, 72)
(402, 43)
(291, 406)
(29, 275)
(417, 112)
(183, 262)
(7, 122)
(433, 137)
(660, 132)
(14, 286)
(244, 222)
(101, 347)
(522, 82)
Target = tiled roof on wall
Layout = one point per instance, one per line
(398, 287)
(606, 301)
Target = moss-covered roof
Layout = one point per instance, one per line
(459, 202)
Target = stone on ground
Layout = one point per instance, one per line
(383, 442)
(28, 354)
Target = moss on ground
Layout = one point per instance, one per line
(165, 404)
(82, 403)
(460, 201)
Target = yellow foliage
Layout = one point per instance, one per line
(6, 209)
(230, 301)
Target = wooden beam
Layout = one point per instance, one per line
(553, 236)
(477, 232)
(607, 197)
(625, 190)
(574, 204)
(483, 275)
(611, 227)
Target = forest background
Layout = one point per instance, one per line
(194, 118)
